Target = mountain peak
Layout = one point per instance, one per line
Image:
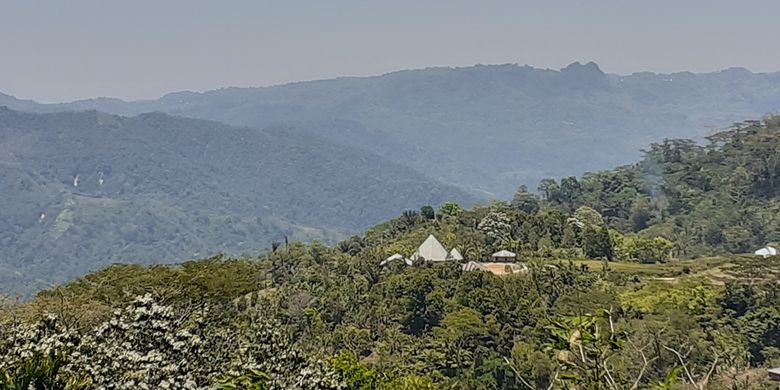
(584, 76)
(580, 68)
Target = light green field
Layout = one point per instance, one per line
(716, 269)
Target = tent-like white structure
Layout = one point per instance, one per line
(766, 251)
(431, 250)
(394, 257)
(455, 255)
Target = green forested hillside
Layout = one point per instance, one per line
(487, 127)
(683, 199)
(83, 190)
(721, 196)
(312, 316)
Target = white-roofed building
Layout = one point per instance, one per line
(394, 257)
(455, 255)
(504, 256)
(766, 251)
(431, 250)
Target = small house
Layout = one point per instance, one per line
(504, 256)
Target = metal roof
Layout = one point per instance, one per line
(504, 253)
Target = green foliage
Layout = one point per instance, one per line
(451, 209)
(96, 189)
(411, 382)
(696, 297)
(426, 326)
(533, 364)
(315, 316)
(427, 212)
(356, 376)
(583, 349)
(631, 247)
(148, 345)
(706, 199)
(42, 371)
(525, 201)
(588, 217)
(669, 380)
(597, 243)
(253, 380)
(482, 126)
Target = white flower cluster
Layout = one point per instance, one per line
(146, 346)
(495, 224)
(152, 346)
(20, 341)
(267, 349)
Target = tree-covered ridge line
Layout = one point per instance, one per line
(719, 197)
(484, 127)
(681, 200)
(317, 316)
(359, 326)
(84, 190)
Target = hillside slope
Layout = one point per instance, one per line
(82, 190)
(314, 316)
(487, 127)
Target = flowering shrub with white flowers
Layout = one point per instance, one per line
(151, 346)
(32, 356)
(495, 225)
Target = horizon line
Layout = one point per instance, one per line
(367, 76)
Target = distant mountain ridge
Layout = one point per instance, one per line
(487, 127)
(83, 190)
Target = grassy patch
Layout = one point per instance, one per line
(710, 267)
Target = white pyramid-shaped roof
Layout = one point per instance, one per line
(431, 250)
(455, 255)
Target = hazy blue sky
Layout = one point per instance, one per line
(61, 50)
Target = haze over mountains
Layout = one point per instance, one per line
(83, 190)
(321, 159)
(485, 128)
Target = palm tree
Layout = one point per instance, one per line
(410, 217)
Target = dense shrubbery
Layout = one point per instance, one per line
(314, 317)
(151, 346)
(714, 198)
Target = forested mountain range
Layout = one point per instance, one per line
(83, 190)
(485, 128)
(619, 291)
